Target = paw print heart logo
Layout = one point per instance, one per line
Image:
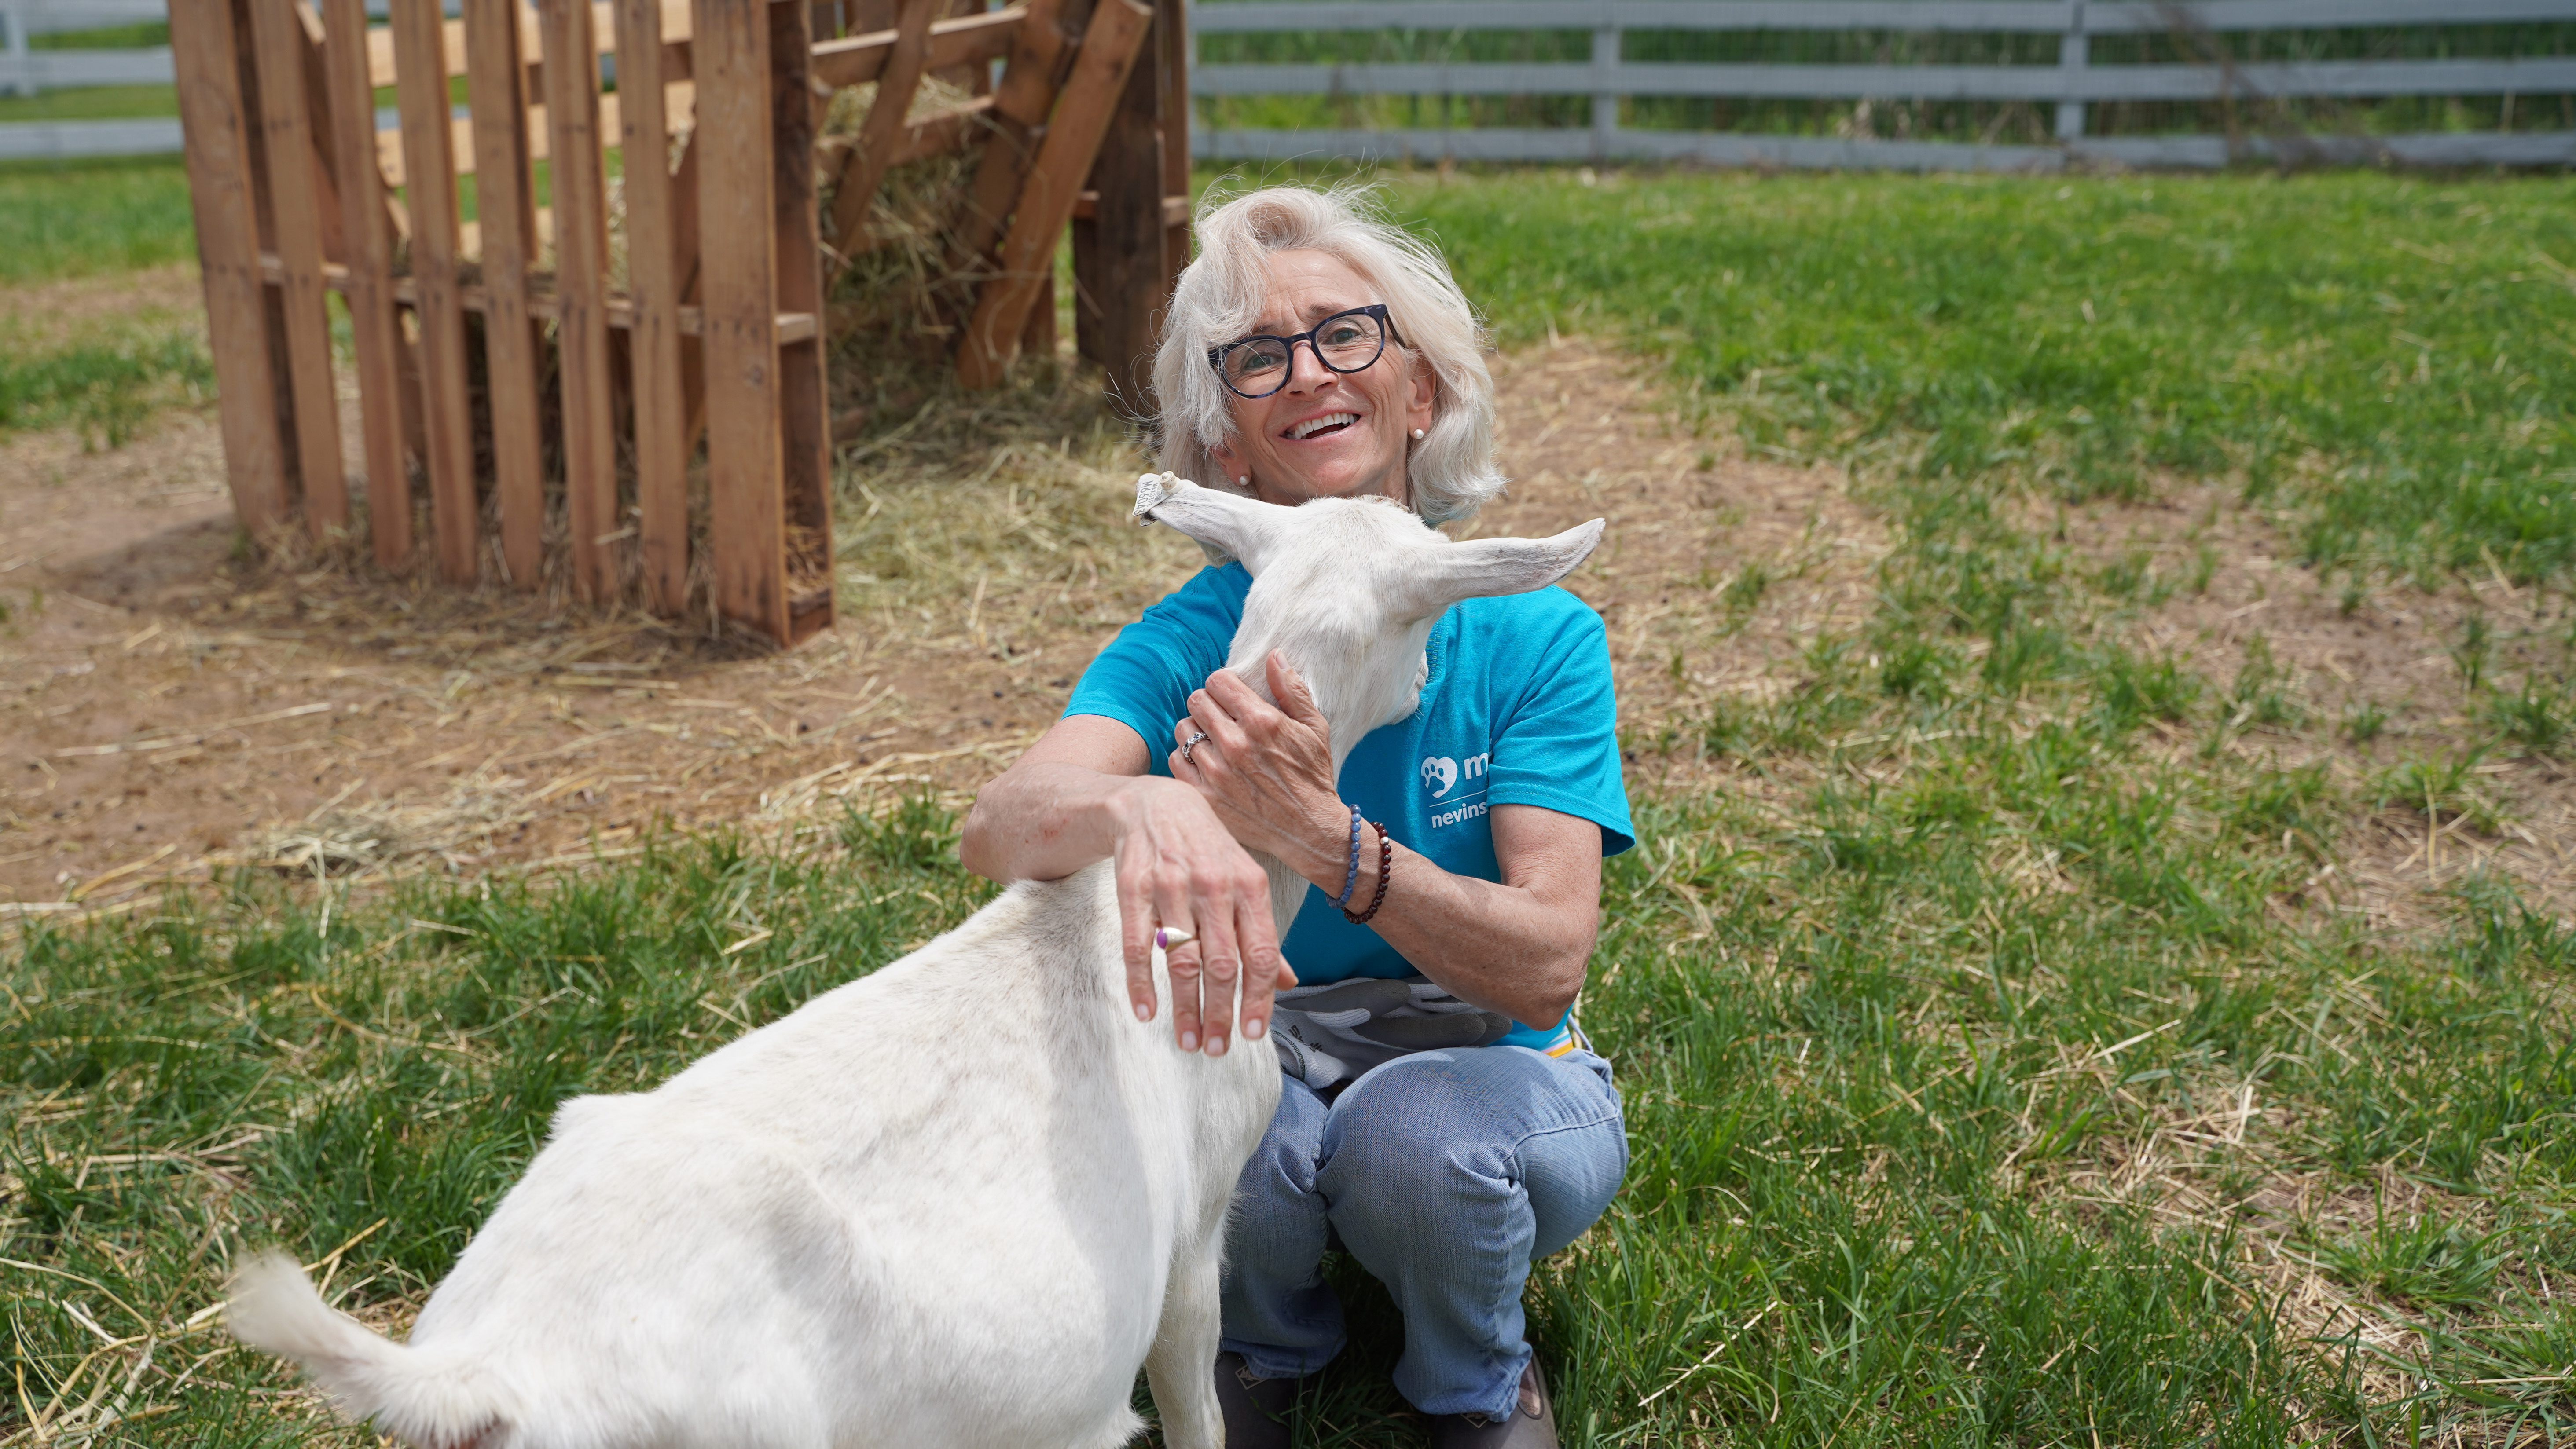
(1439, 775)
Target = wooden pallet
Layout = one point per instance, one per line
(508, 379)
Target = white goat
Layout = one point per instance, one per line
(955, 1202)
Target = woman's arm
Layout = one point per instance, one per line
(1518, 946)
(1080, 795)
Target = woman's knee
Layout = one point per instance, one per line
(1417, 1139)
(1505, 1131)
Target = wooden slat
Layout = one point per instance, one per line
(445, 417)
(1073, 136)
(866, 163)
(375, 333)
(505, 202)
(288, 131)
(675, 35)
(677, 105)
(737, 211)
(804, 417)
(219, 136)
(1039, 58)
(581, 299)
(961, 40)
(684, 265)
(653, 299)
(318, 127)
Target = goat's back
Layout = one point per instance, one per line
(938, 1204)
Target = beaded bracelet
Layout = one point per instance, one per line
(1385, 871)
(1351, 878)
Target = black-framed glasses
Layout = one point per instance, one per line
(1256, 367)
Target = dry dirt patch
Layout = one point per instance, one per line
(2390, 653)
(45, 315)
(1716, 570)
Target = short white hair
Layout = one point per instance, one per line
(1219, 298)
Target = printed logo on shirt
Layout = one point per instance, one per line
(1442, 774)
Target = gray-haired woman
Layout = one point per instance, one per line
(1443, 1119)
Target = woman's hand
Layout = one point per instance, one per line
(1178, 866)
(1081, 795)
(1266, 771)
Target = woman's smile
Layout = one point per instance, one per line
(1322, 425)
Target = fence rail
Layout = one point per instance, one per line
(2025, 17)
(2539, 76)
(2072, 84)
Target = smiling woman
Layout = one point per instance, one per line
(1441, 1113)
(1274, 264)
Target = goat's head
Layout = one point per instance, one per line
(1348, 588)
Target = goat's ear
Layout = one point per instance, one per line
(1226, 525)
(1484, 567)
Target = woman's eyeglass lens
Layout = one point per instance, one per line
(1345, 342)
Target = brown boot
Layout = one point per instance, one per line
(1256, 1410)
(1531, 1424)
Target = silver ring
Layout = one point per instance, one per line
(1185, 747)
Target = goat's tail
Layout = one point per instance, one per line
(411, 1394)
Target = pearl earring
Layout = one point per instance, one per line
(1417, 432)
(1243, 482)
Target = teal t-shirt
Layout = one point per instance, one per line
(1519, 709)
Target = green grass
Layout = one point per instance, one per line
(92, 103)
(106, 387)
(2392, 356)
(87, 218)
(139, 35)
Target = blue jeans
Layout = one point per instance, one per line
(1446, 1174)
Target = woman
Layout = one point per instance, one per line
(1313, 351)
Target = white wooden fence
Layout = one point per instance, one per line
(2070, 85)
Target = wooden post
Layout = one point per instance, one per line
(652, 287)
(738, 278)
(2073, 53)
(505, 200)
(1118, 252)
(375, 331)
(581, 292)
(218, 138)
(1172, 43)
(1073, 137)
(429, 167)
(296, 200)
(804, 417)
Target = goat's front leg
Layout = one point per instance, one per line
(1181, 1370)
